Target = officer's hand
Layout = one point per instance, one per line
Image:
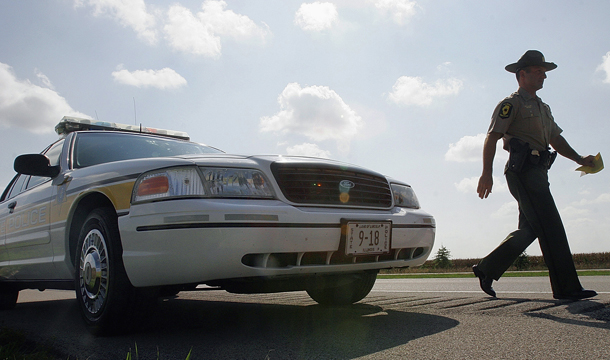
(485, 184)
(586, 160)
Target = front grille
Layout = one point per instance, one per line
(321, 184)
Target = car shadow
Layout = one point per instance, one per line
(231, 330)
(289, 331)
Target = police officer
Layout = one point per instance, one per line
(527, 128)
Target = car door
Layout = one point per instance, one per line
(27, 225)
(6, 209)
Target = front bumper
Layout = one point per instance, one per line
(201, 240)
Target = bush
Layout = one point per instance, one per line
(581, 261)
(522, 262)
(442, 259)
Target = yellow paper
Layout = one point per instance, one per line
(598, 165)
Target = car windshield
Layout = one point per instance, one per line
(103, 147)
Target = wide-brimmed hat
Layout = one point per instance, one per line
(530, 58)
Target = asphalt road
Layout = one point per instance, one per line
(402, 318)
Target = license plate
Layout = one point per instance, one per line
(368, 238)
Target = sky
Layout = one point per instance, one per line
(402, 87)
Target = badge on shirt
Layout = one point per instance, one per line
(505, 109)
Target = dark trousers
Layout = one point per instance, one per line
(538, 218)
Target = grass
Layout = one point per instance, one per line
(15, 346)
(470, 274)
(130, 357)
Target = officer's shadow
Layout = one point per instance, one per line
(590, 313)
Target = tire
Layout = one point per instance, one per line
(340, 290)
(8, 298)
(109, 304)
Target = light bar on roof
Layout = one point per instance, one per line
(69, 124)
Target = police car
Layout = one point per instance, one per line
(124, 214)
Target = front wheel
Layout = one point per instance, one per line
(342, 289)
(108, 302)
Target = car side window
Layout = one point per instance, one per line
(17, 186)
(54, 154)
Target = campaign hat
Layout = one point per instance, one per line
(530, 58)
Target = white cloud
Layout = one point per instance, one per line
(400, 10)
(307, 149)
(45, 80)
(509, 209)
(187, 34)
(469, 185)
(28, 106)
(316, 16)
(200, 33)
(165, 78)
(470, 149)
(601, 199)
(467, 149)
(572, 212)
(316, 112)
(129, 13)
(605, 67)
(413, 91)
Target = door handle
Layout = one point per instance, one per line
(12, 207)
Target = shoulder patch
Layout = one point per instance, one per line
(505, 109)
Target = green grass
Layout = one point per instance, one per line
(470, 274)
(15, 346)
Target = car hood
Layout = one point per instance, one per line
(265, 161)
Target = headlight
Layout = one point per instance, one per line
(404, 196)
(167, 183)
(189, 182)
(233, 182)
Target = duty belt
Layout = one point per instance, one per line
(544, 158)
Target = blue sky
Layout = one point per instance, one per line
(403, 87)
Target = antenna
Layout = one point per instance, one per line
(135, 117)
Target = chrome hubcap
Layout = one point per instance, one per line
(93, 271)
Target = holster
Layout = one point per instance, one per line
(521, 155)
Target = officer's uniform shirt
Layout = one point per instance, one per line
(525, 117)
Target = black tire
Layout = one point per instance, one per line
(8, 298)
(340, 290)
(108, 302)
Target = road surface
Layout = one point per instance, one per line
(401, 318)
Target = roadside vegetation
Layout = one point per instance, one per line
(15, 346)
(443, 266)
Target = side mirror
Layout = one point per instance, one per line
(35, 165)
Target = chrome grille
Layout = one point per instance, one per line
(321, 184)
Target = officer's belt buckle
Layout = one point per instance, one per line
(535, 152)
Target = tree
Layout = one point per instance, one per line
(522, 262)
(442, 259)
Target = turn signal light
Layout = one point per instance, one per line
(155, 185)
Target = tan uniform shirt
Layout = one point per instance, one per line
(525, 117)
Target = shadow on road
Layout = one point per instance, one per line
(588, 313)
(231, 330)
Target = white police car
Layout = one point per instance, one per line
(127, 215)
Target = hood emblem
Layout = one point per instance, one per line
(346, 184)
